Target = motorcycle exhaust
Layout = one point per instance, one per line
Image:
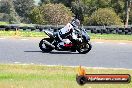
(49, 44)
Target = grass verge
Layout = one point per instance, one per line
(35, 76)
(41, 34)
(3, 23)
(22, 33)
(111, 37)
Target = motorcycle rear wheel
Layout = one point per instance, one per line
(44, 47)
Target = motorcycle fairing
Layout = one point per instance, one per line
(85, 36)
(50, 34)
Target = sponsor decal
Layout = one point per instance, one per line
(83, 78)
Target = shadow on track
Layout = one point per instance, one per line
(53, 52)
(62, 52)
(32, 51)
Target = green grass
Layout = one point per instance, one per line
(35, 76)
(41, 34)
(111, 37)
(3, 23)
(22, 34)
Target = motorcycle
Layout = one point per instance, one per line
(51, 43)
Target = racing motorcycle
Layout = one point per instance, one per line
(81, 44)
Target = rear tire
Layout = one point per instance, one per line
(44, 47)
(84, 48)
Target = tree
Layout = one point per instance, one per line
(14, 18)
(4, 6)
(82, 8)
(130, 16)
(44, 1)
(75, 6)
(4, 17)
(128, 7)
(7, 7)
(65, 2)
(118, 5)
(36, 16)
(54, 14)
(104, 16)
(23, 8)
(103, 3)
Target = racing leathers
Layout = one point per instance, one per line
(68, 30)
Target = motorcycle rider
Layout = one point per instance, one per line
(69, 29)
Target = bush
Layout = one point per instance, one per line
(55, 14)
(36, 16)
(104, 16)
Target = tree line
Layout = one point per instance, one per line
(16, 11)
(56, 12)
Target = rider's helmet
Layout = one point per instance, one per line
(75, 23)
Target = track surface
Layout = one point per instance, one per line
(26, 51)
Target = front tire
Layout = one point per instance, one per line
(84, 48)
(44, 47)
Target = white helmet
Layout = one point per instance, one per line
(75, 23)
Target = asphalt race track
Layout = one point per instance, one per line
(26, 51)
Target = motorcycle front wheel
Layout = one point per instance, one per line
(84, 48)
(44, 47)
